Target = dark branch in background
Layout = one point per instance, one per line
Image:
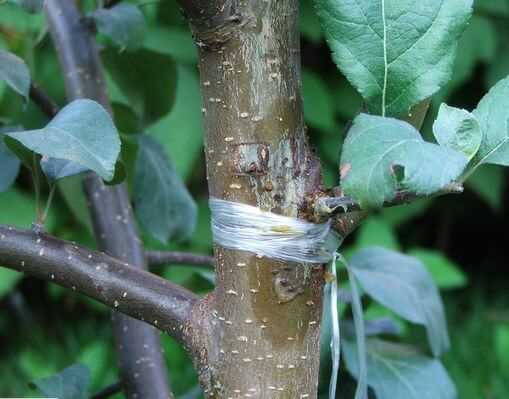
(110, 390)
(116, 232)
(127, 289)
(161, 258)
(112, 218)
(44, 102)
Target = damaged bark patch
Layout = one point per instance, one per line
(250, 159)
(287, 283)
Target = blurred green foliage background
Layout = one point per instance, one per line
(463, 240)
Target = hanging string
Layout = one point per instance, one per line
(358, 319)
(335, 343)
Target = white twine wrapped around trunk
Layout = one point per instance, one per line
(247, 228)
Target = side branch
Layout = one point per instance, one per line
(346, 214)
(127, 289)
(43, 101)
(326, 207)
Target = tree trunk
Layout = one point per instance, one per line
(264, 314)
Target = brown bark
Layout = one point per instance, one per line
(264, 315)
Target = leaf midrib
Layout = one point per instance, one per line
(386, 64)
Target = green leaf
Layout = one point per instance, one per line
(477, 44)
(493, 115)
(309, 24)
(501, 339)
(9, 168)
(175, 42)
(500, 69)
(146, 78)
(400, 372)
(347, 100)
(193, 393)
(383, 155)
(31, 6)
(202, 239)
(458, 129)
(162, 203)
(445, 273)
(15, 18)
(396, 53)
(82, 132)
(56, 169)
(488, 182)
(168, 13)
(182, 127)
(8, 279)
(71, 383)
(19, 150)
(382, 325)
(95, 356)
(18, 210)
(120, 174)
(129, 155)
(125, 118)
(15, 73)
(74, 197)
(21, 210)
(403, 284)
(496, 8)
(375, 311)
(398, 215)
(123, 23)
(376, 231)
(318, 103)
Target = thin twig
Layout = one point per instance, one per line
(52, 189)
(37, 189)
(43, 101)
